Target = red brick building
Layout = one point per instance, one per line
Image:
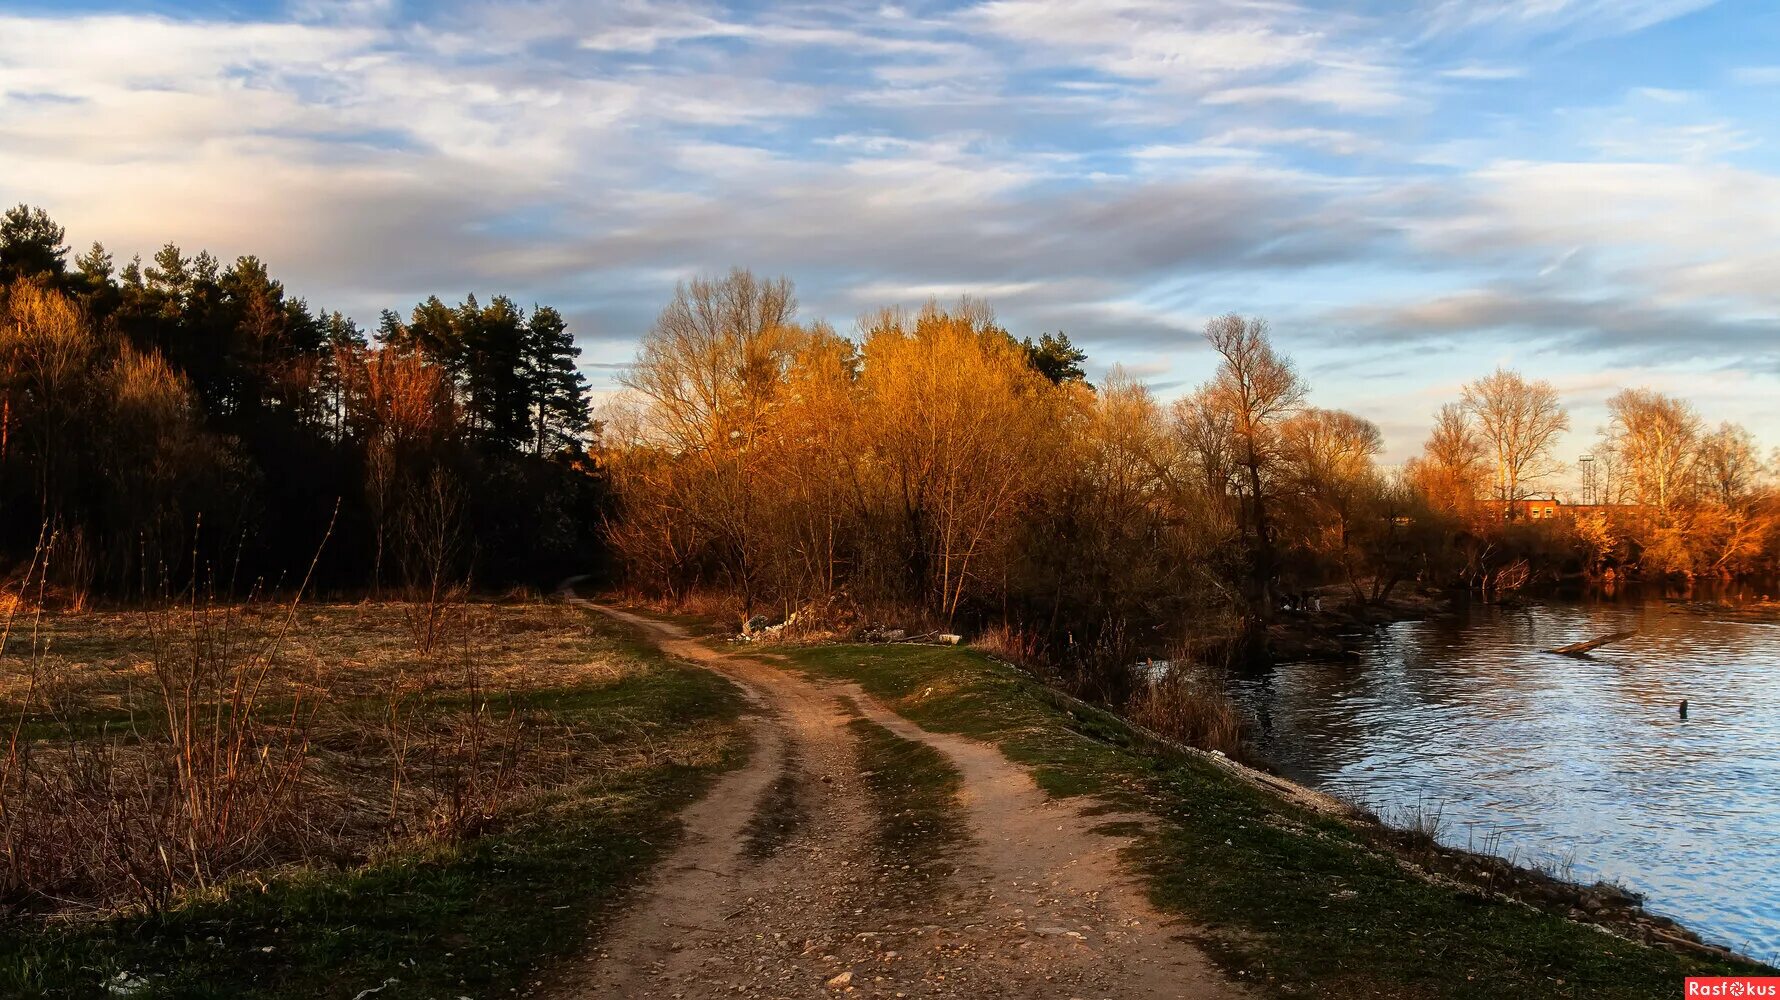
(1549, 507)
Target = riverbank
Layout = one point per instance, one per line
(1463, 725)
(1302, 895)
(1337, 629)
(1335, 625)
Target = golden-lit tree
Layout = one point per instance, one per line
(712, 372)
(1653, 441)
(404, 411)
(1598, 538)
(1520, 422)
(1128, 518)
(1453, 469)
(1728, 465)
(1255, 389)
(1205, 433)
(162, 465)
(960, 430)
(1736, 516)
(47, 352)
(657, 542)
(1326, 459)
(714, 363)
(812, 480)
(1655, 438)
(936, 467)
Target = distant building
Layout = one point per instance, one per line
(1530, 509)
(1549, 507)
(1579, 509)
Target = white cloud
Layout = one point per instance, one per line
(1699, 143)
(1353, 88)
(1588, 17)
(646, 28)
(1225, 51)
(1118, 169)
(1155, 39)
(344, 11)
(1171, 155)
(1338, 141)
(1676, 257)
(877, 293)
(1483, 71)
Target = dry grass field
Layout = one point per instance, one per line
(158, 764)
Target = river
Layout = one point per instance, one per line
(1578, 765)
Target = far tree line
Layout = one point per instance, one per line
(181, 418)
(935, 462)
(1660, 494)
(183, 421)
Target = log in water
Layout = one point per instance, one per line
(1579, 648)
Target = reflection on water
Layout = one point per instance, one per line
(1574, 763)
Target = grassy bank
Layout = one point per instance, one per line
(612, 740)
(1305, 903)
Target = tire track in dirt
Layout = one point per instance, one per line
(1038, 905)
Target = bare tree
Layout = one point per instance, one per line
(1327, 457)
(712, 372)
(402, 407)
(1204, 432)
(1453, 466)
(1257, 389)
(1655, 437)
(1729, 465)
(713, 363)
(1520, 422)
(431, 518)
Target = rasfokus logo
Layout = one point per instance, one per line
(1738, 987)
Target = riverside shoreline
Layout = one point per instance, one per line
(1305, 893)
(1409, 725)
(1610, 907)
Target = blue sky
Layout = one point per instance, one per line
(1411, 193)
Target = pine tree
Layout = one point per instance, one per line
(99, 295)
(31, 244)
(346, 345)
(95, 266)
(494, 370)
(1056, 358)
(434, 330)
(170, 273)
(558, 389)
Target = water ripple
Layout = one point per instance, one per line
(1578, 763)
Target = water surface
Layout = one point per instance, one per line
(1581, 765)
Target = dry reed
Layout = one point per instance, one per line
(1189, 706)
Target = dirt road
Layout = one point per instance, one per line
(778, 891)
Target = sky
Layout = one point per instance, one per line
(1411, 193)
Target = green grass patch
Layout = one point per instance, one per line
(478, 918)
(914, 791)
(1305, 904)
(782, 812)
